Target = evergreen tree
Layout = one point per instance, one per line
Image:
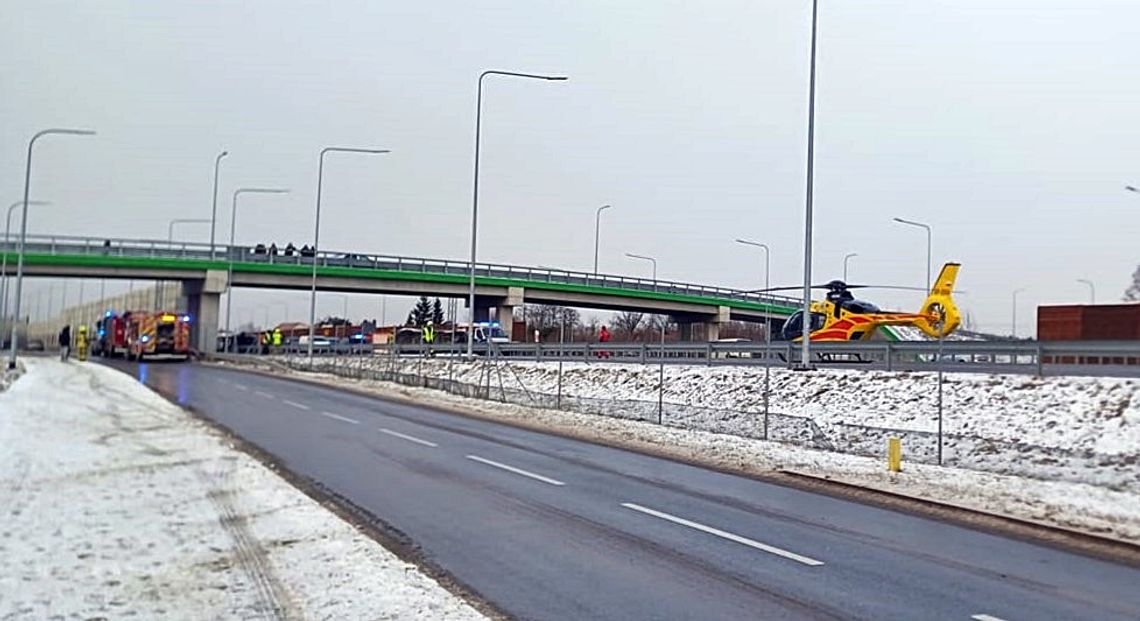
(421, 313)
(437, 312)
(1133, 292)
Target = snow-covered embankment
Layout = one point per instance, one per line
(116, 503)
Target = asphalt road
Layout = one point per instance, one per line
(551, 528)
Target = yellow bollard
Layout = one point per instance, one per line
(894, 454)
(81, 343)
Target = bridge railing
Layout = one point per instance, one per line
(78, 245)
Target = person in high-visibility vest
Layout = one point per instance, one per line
(428, 333)
(277, 337)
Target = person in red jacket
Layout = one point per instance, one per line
(604, 337)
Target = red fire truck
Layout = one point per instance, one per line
(110, 336)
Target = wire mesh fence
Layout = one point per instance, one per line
(497, 382)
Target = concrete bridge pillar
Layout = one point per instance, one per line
(505, 308)
(203, 302)
(708, 330)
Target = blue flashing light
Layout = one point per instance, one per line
(186, 318)
(146, 338)
(107, 314)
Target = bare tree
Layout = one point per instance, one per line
(548, 320)
(1132, 294)
(626, 324)
(654, 324)
(588, 331)
(753, 331)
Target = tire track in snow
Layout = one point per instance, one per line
(273, 597)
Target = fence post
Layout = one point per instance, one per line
(890, 357)
(894, 454)
(1040, 362)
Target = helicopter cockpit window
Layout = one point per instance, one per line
(860, 306)
(794, 325)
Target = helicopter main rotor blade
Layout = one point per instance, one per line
(797, 287)
(895, 287)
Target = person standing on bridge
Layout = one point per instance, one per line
(65, 343)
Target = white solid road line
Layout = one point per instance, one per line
(339, 417)
(981, 617)
(407, 437)
(299, 406)
(495, 464)
(725, 535)
(263, 394)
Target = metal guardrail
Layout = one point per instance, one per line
(1023, 357)
(145, 248)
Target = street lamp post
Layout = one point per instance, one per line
(645, 258)
(1092, 289)
(767, 325)
(230, 272)
(4, 266)
(805, 363)
(475, 193)
(317, 233)
(159, 298)
(1014, 323)
(661, 360)
(926, 286)
(598, 234)
(214, 209)
(24, 223)
(847, 257)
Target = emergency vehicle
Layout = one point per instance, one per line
(110, 336)
(158, 335)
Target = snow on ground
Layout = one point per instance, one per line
(1079, 429)
(1073, 505)
(118, 504)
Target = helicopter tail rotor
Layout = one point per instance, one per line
(941, 313)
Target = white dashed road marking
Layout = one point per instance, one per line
(724, 535)
(407, 437)
(341, 418)
(299, 406)
(263, 394)
(981, 617)
(495, 464)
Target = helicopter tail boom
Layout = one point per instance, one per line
(940, 314)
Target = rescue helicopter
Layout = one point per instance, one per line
(842, 317)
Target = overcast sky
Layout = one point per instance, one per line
(1010, 126)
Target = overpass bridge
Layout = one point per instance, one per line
(206, 273)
